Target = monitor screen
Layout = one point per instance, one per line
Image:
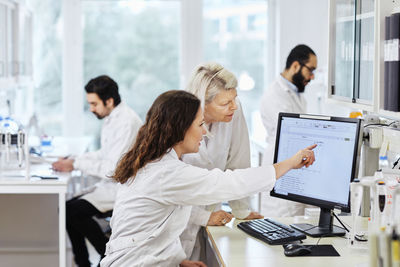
(326, 183)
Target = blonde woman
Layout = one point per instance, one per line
(225, 146)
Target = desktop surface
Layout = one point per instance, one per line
(234, 248)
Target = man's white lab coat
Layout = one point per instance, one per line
(227, 147)
(151, 212)
(279, 97)
(117, 135)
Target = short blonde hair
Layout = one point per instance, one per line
(208, 80)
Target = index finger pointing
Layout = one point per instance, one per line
(312, 147)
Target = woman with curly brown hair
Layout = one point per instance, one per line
(154, 201)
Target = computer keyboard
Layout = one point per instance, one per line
(270, 231)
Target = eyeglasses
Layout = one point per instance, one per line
(311, 70)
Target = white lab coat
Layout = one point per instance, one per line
(151, 212)
(117, 135)
(278, 98)
(227, 147)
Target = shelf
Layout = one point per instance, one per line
(358, 17)
(389, 114)
(349, 104)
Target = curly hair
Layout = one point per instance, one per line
(167, 121)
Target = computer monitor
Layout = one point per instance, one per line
(326, 183)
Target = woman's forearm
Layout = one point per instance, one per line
(283, 167)
(303, 158)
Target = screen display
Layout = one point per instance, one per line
(328, 179)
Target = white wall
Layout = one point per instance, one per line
(304, 22)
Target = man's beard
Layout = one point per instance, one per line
(300, 82)
(98, 116)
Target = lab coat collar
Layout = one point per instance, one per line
(116, 110)
(172, 154)
(289, 84)
(296, 97)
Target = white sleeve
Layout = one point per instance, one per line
(92, 155)
(105, 160)
(199, 216)
(189, 185)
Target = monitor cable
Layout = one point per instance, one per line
(360, 238)
(337, 218)
(376, 124)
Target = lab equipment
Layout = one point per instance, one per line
(395, 249)
(383, 162)
(381, 190)
(326, 183)
(356, 193)
(385, 251)
(373, 245)
(14, 154)
(396, 210)
(46, 143)
(387, 183)
(382, 228)
(270, 231)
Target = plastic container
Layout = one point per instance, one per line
(383, 162)
(46, 143)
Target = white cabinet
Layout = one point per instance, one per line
(352, 52)
(356, 53)
(15, 44)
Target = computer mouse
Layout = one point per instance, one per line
(292, 250)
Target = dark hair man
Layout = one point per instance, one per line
(118, 132)
(285, 94)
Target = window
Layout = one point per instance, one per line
(239, 45)
(47, 64)
(137, 44)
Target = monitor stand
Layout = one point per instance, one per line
(325, 226)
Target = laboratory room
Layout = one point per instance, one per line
(235, 133)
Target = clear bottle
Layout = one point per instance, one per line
(46, 143)
(383, 162)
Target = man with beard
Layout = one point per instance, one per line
(285, 94)
(118, 132)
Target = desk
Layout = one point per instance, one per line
(23, 239)
(233, 247)
(16, 185)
